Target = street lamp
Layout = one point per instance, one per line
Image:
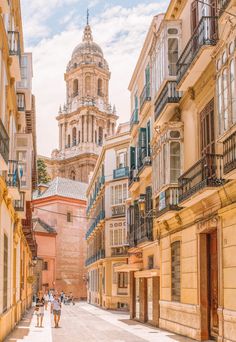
(142, 206)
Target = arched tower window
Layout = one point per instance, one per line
(73, 136)
(100, 87)
(100, 136)
(79, 137)
(72, 175)
(96, 137)
(75, 87)
(68, 140)
(87, 85)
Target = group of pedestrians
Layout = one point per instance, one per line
(53, 299)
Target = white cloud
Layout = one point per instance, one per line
(119, 31)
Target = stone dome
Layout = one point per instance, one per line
(87, 46)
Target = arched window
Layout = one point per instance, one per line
(175, 271)
(73, 136)
(100, 136)
(75, 88)
(68, 140)
(72, 175)
(79, 137)
(100, 87)
(233, 90)
(96, 137)
(87, 85)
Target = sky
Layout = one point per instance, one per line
(52, 28)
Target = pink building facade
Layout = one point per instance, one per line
(62, 206)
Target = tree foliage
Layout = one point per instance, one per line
(43, 176)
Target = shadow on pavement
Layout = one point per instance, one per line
(21, 329)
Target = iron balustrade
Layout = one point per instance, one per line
(134, 118)
(4, 142)
(206, 33)
(96, 221)
(99, 255)
(19, 205)
(222, 5)
(121, 172)
(118, 251)
(144, 158)
(97, 189)
(14, 43)
(133, 176)
(118, 210)
(145, 95)
(169, 94)
(13, 179)
(167, 200)
(144, 231)
(207, 172)
(229, 153)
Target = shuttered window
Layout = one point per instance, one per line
(148, 208)
(175, 271)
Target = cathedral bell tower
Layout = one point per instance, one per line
(87, 117)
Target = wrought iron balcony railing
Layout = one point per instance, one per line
(207, 172)
(19, 205)
(119, 251)
(205, 34)
(4, 142)
(121, 172)
(133, 176)
(118, 210)
(144, 158)
(169, 94)
(13, 179)
(96, 221)
(222, 5)
(167, 200)
(14, 43)
(229, 153)
(134, 118)
(145, 231)
(145, 95)
(99, 255)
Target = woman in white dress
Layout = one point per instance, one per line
(39, 309)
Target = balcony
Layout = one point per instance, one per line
(134, 118)
(119, 251)
(166, 102)
(118, 210)
(144, 232)
(133, 179)
(167, 203)
(21, 102)
(201, 180)
(4, 147)
(100, 217)
(145, 97)
(223, 4)
(98, 256)
(229, 156)
(197, 53)
(13, 179)
(145, 163)
(14, 52)
(121, 172)
(19, 205)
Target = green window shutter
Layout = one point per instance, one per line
(142, 144)
(136, 101)
(148, 138)
(132, 158)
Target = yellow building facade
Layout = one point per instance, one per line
(17, 175)
(182, 275)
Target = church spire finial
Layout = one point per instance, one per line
(87, 16)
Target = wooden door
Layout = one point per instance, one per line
(213, 283)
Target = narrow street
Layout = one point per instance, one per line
(86, 323)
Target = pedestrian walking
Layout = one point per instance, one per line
(39, 309)
(56, 310)
(46, 299)
(62, 296)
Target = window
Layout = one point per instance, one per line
(100, 136)
(172, 55)
(122, 280)
(45, 266)
(68, 141)
(225, 98)
(117, 237)
(233, 90)
(119, 194)
(75, 88)
(100, 87)
(121, 159)
(150, 262)
(69, 217)
(73, 136)
(5, 272)
(87, 85)
(175, 271)
(72, 175)
(207, 129)
(175, 167)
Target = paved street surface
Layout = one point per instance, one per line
(86, 323)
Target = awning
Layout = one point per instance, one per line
(129, 267)
(147, 273)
